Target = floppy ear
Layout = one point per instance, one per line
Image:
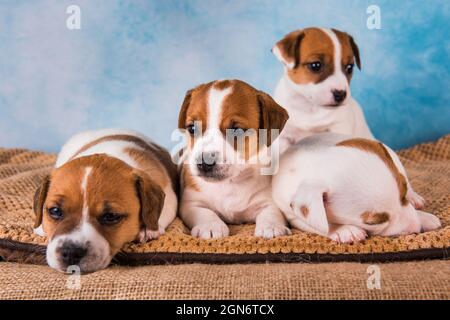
(39, 199)
(272, 115)
(287, 50)
(183, 110)
(355, 51)
(151, 198)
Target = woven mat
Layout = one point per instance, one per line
(428, 167)
(344, 280)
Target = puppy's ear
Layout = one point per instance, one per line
(39, 199)
(183, 110)
(272, 115)
(287, 50)
(151, 199)
(355, 51)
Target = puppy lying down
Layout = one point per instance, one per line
(346, 189)
(108, 187)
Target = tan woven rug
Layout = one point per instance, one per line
(428, 167)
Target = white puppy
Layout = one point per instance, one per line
(345, 188)
(315, 87)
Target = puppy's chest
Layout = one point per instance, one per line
(235, 203)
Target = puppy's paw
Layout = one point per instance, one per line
(348, 234)
(147, 234)
(415, 199)
(210, 230)
(269, 230)
(428, 221)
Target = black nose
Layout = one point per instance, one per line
(71, 253)
(339, 95)
(207, 162)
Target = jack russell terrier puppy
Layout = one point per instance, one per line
(345, 188)
(220, 182)
(315, 87)
(109, 187)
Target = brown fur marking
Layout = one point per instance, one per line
(378, 149)
(154, 154)
(372, 218)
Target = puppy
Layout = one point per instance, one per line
(346, 188)
(109, 187)
(315, 87)
(220, 181)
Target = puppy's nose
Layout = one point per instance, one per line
(207, 162)
(339, 95)
(71, 253)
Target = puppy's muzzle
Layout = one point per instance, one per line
(71, 253)
(210, 168)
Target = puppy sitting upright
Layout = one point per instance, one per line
(109, 187)
(315, 87)
(219, 180)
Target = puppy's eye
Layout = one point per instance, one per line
(110, 218)
(236, 127)
(56, 213)
(315, 66)
(191, 129)
(349, 68)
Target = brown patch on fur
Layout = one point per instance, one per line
(39, 199)
(304, 210)
(152, 156)
(372, 218)
(194, 109)
(349, 51)
(378, 149)
(151, 198)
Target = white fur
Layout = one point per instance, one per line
(244, 196)
(307, 104)
(355, 181)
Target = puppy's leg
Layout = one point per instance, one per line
(347, 233)
(204, 223)
(428, 221)
(271, 223)
(308, 208)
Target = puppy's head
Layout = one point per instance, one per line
(319, 63)
(228, 123)
(90, 207)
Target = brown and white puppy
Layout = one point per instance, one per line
(315, 87)
(220, 181)
(109, 187)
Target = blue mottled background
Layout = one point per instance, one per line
(132, 62)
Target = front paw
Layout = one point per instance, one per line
(147, 234)
(210, 230)
(348, 234)
(269, 230)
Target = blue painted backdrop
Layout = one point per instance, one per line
(132, 61)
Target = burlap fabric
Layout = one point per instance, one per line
(428, 166)
(401, 280)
